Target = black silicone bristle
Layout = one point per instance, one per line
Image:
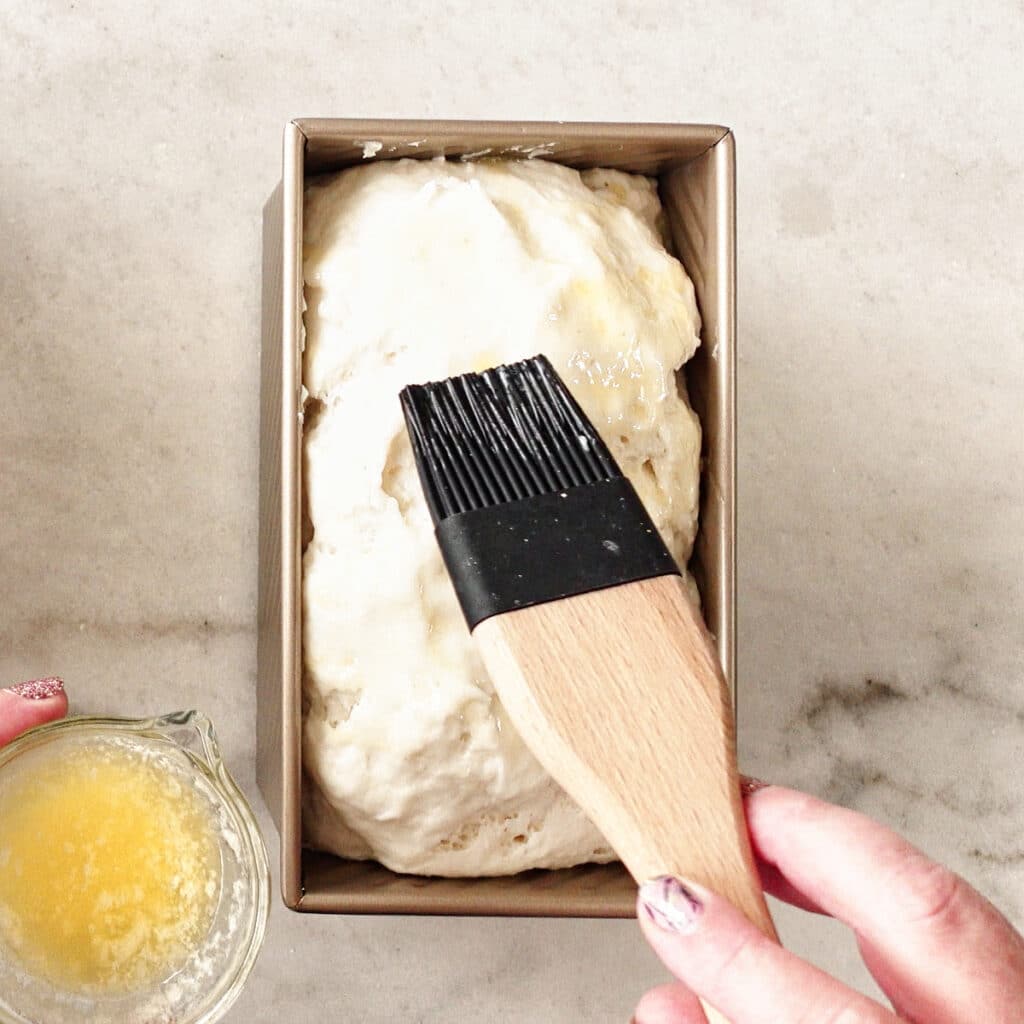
(503, 435)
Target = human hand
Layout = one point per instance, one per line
(25, 705)
(937, 948)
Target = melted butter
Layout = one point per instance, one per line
(109, 865)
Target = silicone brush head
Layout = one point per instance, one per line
(508, 434)
(529, 505)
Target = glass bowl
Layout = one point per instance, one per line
(208, 983)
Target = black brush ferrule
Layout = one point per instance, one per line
(550, 546)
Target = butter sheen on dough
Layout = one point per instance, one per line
(415, 271)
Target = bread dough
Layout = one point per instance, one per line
(415, 271)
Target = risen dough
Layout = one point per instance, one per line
(415, 271)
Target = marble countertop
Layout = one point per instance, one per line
(880, 374)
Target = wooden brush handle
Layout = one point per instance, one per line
(619, 694)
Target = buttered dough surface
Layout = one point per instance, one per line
(415, 271)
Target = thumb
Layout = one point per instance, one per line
(25, 705)
(722, 958)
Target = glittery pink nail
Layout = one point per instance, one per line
(38, 689)
(749, 785)
(671, 905)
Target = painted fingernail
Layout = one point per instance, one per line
(749, 785)
(38, 689)
(671, 905)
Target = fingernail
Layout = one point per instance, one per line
(671, 905)
(749, 785)
(38, 689)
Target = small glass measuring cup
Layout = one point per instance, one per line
(209, 982)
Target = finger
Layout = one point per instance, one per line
(29, 704)
(669, 1004)
(776, 884)
(772, 880)
(719, 955)
(909, 913)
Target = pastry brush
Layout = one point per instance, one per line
(584, 623)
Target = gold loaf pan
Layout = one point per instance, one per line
(694, 165)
